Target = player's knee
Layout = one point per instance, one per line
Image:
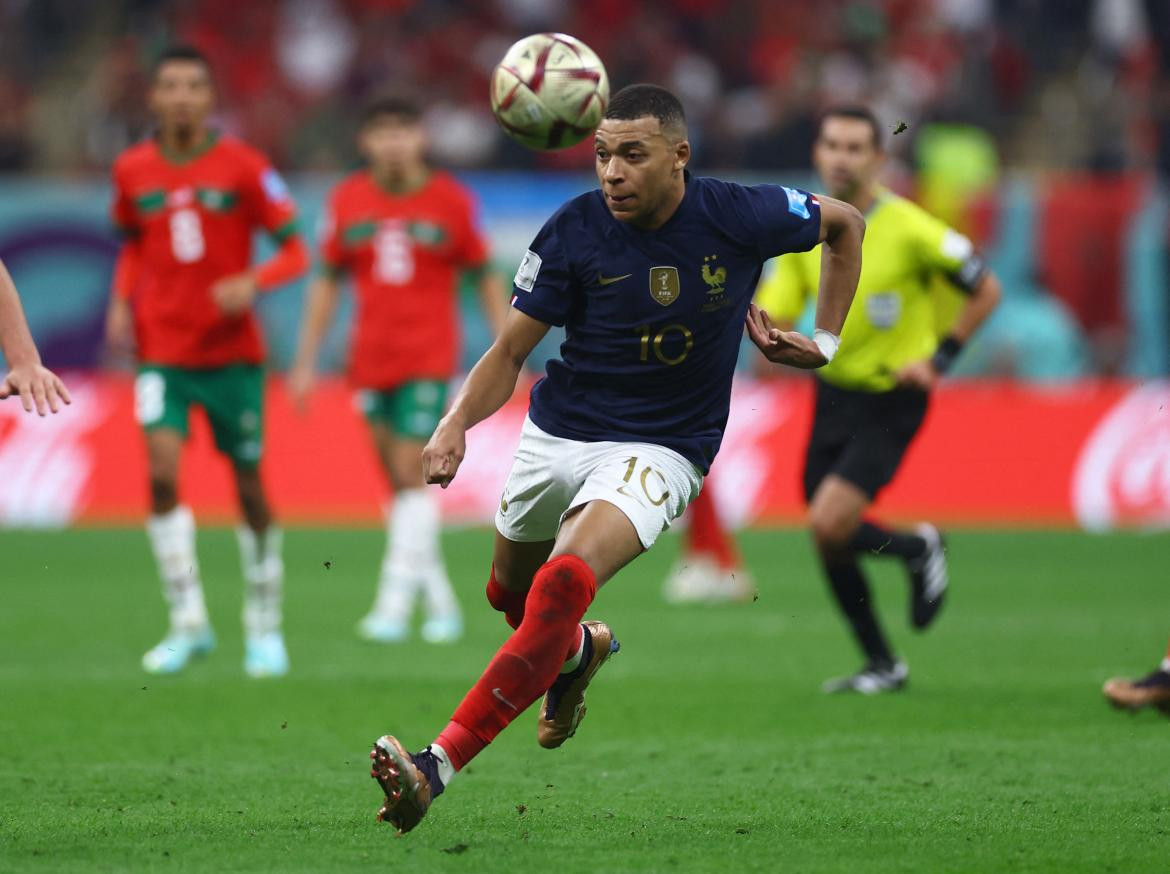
(830, 530)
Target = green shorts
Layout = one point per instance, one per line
(411, 410)
(231, 396)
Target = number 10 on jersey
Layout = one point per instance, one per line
(655, 342)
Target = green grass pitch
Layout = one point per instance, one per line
(708, 746)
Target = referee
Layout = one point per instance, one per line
(871, 399)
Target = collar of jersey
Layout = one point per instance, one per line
(430, 174)
(181, 158)
(880, 195)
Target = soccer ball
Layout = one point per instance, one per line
(549, 91)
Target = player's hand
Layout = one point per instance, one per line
(234, 294)
(120, 327)
(37, 386)
(444, 453)
(301, 382)
(919, 375)
(782, 347)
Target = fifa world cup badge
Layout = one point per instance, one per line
(664, 284)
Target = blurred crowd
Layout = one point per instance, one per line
(1069, 84)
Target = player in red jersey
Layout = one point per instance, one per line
(404, 232)
(37, 387)
(188, 201)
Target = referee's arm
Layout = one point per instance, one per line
(983, 296)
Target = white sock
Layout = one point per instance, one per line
(413, 559)
(172, 539)
(573, 662)
(425, 526)
(399, 575)
(1166, 664)
(447, 771)
(263, 569)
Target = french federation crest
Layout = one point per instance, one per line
(664, 285)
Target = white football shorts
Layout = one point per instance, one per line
(550, 476)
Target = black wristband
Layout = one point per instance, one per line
(946, 353)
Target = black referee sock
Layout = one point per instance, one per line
(852, 592)
(875, 539)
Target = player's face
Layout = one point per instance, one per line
(846, 156)
(182, 97)
(393, 144)
(639, 168)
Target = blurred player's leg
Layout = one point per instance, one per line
(1151, 690)
(260, 543)
(388, 620)
(161, 399)
(413, 559)
(834, 514)
(709, 568)
(233, 398)
(923, 551)
(171, 530)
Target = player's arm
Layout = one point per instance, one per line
(841, 233)
(37, 386)
(127, 269)
(952, 254)
(271, 207)
(119, 314)
(487, 388)
(492, 297)
(235, 294)
(317, 316)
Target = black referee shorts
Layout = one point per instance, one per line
(861, 436)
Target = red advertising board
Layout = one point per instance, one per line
(997, 454)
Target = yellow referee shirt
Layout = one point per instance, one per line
(892, 321)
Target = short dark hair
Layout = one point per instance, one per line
(399, 105)
(639, 101)
(857, 112)
(180, 52)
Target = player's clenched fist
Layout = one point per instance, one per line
(444, 453)
(782, 347)
(234, 294)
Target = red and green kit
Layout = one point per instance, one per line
(405, 252)
(192, 220)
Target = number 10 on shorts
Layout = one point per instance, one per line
(643, 479)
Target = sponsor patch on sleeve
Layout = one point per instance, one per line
(274, 188)
(526, 273)
(797, 202)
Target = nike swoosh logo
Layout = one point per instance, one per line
(496, 692)
(609, 280)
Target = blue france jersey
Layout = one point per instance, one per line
(653, 319)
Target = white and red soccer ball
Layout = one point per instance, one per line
(550, 91)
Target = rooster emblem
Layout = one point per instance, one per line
(714, 278)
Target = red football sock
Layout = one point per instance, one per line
(706, 534)
(511, 604)
(507, 601)
(1168, 652)
(528, 662)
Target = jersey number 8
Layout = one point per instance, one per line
(187, 236)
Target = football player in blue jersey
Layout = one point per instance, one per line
(652, 277)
